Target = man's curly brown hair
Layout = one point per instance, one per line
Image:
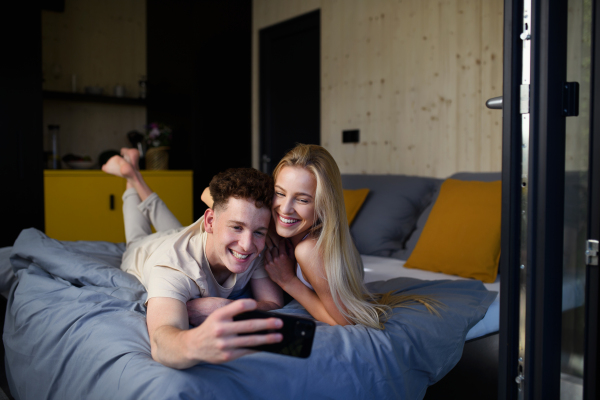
(242, 183)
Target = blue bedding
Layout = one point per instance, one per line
(75, 329)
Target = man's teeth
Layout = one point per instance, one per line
(288, 221)
(238, 255)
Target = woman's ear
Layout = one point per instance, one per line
(209, 220)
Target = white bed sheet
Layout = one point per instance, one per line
(383, 268)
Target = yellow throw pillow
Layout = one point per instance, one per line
(462, 234)
(354, 199)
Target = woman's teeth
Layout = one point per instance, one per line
(238, 255)
(288, 221)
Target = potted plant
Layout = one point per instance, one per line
(158, 141)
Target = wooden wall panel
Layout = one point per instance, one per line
(102, 42)
(412, 75)
(578, 70)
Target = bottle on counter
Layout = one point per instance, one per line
(51, 147)
(143, 87)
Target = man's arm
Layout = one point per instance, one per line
(215, 341)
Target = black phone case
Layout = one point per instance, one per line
(298, 333)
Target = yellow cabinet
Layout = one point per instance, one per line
(87, 204)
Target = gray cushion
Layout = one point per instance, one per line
(390, 211)
(404, 253)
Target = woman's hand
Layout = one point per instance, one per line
(280, 263)
(273, 239)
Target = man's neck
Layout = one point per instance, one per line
(218, 269)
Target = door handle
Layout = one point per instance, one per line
(495, 103)
(112, 201)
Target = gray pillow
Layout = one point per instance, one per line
(403, 254)
(390, 212)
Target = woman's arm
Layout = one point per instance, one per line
(207, 198)
(280, 265)
(267, 294)
(199, 309)
(313, 270)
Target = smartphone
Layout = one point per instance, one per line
(298, 333)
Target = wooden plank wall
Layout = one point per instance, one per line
(579, 63)
(412, 75)
(102, 42)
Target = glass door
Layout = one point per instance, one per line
(577, 139)
(591, 375)
(551, 201)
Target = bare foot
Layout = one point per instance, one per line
(132, 156)
(118, 166)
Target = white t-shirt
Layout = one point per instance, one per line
(173, 264)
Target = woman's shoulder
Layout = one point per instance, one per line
(305, 250)
(311, 263)
(309, 243)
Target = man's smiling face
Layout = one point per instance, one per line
(237, 234)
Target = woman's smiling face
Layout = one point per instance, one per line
(294, 202)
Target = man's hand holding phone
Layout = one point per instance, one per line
(232, 332)
(219, 339)
(222, 338)
(298, 333)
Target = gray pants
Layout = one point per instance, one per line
(140, 215)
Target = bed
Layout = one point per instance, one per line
(75, 328)
(76, 322)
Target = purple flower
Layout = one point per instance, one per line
(154, 133)
(158, 135)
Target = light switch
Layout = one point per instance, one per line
(350, 136)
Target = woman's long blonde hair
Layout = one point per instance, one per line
(343, 264)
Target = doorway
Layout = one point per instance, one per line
(290, 87)
(549, 312)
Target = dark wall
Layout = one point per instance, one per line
(21, 173)
(200, 82)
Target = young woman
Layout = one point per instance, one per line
(312, 257)
(317, 263)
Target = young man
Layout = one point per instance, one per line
(210, 260)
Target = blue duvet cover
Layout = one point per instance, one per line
(75, 329)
